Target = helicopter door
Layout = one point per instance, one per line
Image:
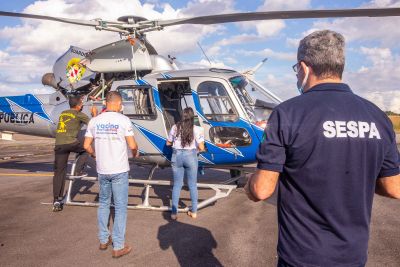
(175, 96)
(229, 137)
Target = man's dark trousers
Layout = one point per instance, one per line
(60, 165)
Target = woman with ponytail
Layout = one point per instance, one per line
(186, 140)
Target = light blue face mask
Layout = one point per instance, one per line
(301, 88)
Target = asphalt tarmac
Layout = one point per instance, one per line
(232, 232)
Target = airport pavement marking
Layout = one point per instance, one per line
(45, 174)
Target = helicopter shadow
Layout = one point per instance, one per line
(164, 193)
(192, 245)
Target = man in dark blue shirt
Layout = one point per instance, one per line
(330, 150)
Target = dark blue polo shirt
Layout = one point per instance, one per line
(330, 146)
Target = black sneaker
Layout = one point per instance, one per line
(58, 206)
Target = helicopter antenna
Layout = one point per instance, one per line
(252, 71)
(204, 53)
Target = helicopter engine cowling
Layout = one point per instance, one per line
(127, 55)
(161, 63)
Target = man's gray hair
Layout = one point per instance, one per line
(324, 52)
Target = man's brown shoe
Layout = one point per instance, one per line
(105, 246)
(121, 252)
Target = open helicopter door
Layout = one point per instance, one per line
(228, 132)
(175, 96)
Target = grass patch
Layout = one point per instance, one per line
(396, 123)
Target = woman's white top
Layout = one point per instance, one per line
(198, 133)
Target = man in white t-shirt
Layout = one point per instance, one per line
(111, 132)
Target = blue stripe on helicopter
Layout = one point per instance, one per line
(26, 102)
(257, 129)
(159, 143)
(219, 156)
(166, 76)
(202, 158)
(156, 140)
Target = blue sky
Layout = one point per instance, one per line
(28, 48)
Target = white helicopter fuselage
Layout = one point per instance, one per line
(154, 104)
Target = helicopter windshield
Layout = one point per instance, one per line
(239, 84)
(257, 102)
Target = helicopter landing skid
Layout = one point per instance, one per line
(221, 191)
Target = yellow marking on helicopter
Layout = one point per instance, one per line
(75, 70)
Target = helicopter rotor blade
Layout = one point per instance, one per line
(292, 14)
(42, 17)
(97, 23)
(142, 26)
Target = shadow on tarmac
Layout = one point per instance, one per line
(191, 244)
(28, 166)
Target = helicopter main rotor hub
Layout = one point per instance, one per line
(131, 19)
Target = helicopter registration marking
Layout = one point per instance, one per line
(24, 118)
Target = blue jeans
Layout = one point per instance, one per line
(117, 185)
(184, 159)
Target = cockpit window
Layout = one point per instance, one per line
(215, 102)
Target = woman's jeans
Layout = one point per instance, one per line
(184, 159)
(117, 186)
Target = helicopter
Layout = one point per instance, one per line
(230, 106)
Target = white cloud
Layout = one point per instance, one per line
(384, 30)
(264, 29)
(293, 42)
(203, 64)
(17, 89)
(283, 85)
(34, 45)
(380, 82)
(269, 28)
(377, 79)
(209, 7)
(267, 52)
(230, 60)
(237, 39)
(378, 56)
(213, 51)
(45, 37)
(271, 5)
(26, 68)
(387, 101)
